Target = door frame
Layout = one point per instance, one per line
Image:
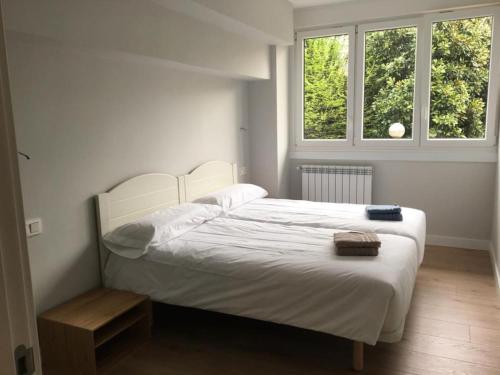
(17, 313)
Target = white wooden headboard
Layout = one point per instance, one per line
(206, 178)
(133, 199)
(141, 195)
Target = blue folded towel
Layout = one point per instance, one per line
(386, 217)
(383, 209)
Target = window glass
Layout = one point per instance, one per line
(460, 66)
(389, 83)
(326, 64)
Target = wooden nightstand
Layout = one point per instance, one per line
(88, 333)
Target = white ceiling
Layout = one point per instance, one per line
(313, 3)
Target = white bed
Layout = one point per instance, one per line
(279, 273)
(262, 265)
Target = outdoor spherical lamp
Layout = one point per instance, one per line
(396, 130)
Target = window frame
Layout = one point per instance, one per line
(493, 82)
(359, 141)
(325, 144)
(419, 143)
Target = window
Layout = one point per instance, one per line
(326, 61)
(325, 101)
(422, 82)
(389, 81)
(460, 70)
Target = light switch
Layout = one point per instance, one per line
(33, 227)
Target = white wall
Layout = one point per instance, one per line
(89, 122)
(282, 120)
(269, 126)
(262, 133)
(457, 197)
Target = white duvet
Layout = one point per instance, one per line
(333, 216)
(280, 273)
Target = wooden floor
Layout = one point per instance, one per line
(453, 328)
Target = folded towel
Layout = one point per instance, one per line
(385, 217)
(357, 251)
(356, 240)
(384, 209)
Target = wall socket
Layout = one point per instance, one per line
(33, 227)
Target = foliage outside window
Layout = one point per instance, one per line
(460, 74)
(389, 81)
(325, 87)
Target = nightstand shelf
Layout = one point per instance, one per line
(118, 325)
(109, 352)
(90, 332)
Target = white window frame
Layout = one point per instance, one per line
(419, 144)
(359, 141)
(493, 85)
(324, 144)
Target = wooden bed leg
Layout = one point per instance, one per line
(358, 356)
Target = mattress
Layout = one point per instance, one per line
(286, 274)
(333, 216)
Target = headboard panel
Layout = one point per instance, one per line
(133, 199)
(206, 178)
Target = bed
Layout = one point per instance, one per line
(257, 261)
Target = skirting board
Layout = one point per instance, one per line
(463, 243)
(495, 264)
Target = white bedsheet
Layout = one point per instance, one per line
(332, 215)
(279, 273)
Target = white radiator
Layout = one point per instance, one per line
(336, 183)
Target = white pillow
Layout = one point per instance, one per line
(233, 196)
(132, 240)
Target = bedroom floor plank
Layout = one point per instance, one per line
(482, 354)
(439, 298)
(486, 319)
(467, 309)
(467, 289)
(485, 336)
(453, 328)
(424, 364)
(443, 299)
(462, 260)
(439, 328)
